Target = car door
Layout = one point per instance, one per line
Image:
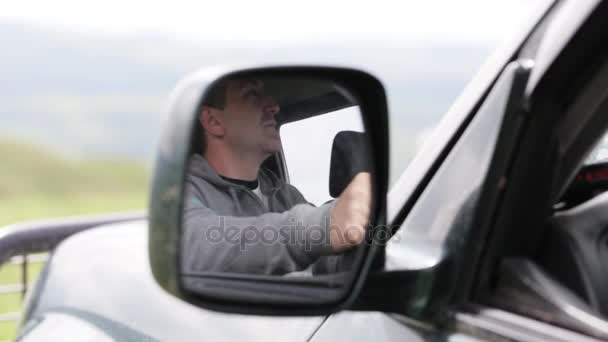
(444, 226)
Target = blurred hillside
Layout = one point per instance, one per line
(35, 183)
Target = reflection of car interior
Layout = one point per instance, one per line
(303, 99)
(348, 157)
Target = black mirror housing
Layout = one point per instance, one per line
(166, 202)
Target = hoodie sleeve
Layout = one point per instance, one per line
(271, 243)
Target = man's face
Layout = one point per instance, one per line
(248, 118)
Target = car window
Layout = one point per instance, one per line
(307, 149)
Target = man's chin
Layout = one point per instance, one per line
(273, 147)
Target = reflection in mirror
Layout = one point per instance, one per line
(278, 184)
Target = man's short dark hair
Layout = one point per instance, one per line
(216, 97)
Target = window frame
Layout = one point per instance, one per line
(551, 149)
(280, 156)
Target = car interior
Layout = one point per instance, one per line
(564, 281)
(566, 275)
(561, 277)
(575, 248)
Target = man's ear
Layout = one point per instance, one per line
(210, 121)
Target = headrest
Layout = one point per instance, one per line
(349, 156)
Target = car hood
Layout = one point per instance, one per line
(102, 278)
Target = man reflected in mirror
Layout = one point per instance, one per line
(239, 217)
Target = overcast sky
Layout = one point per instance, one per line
(77, 66)
(269, 21)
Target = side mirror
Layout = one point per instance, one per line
(239, 217)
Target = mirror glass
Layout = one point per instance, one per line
(278, 188)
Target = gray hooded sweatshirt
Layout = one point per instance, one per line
(227, 228)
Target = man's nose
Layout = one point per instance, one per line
(271, 107)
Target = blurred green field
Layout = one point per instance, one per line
(35, 184)
(38, 184)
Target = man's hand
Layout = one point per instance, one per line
(350, 214)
